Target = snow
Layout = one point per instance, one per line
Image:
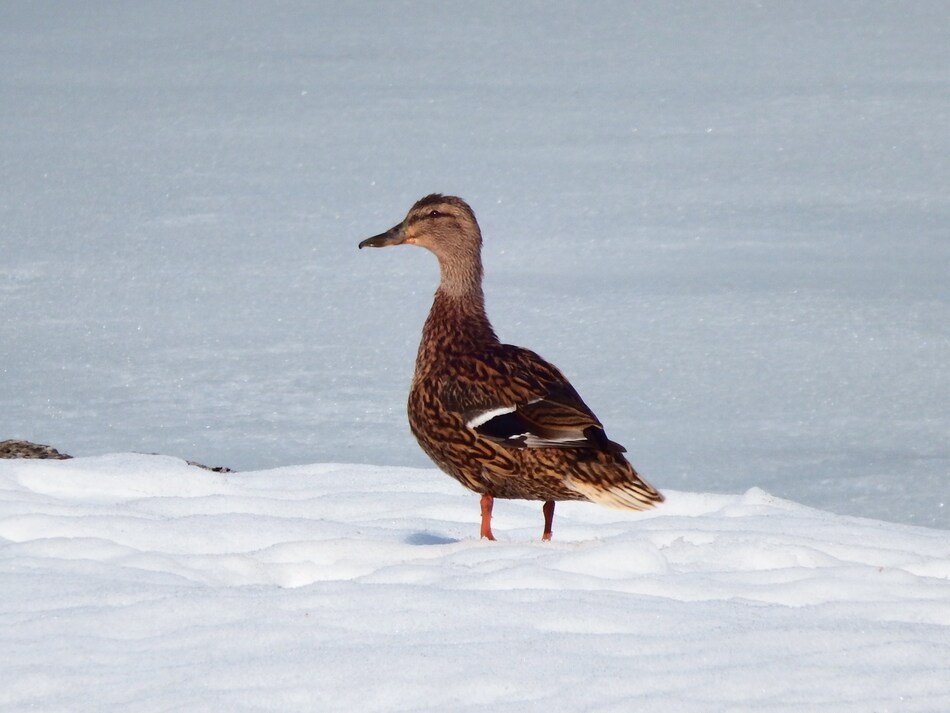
(725, 222)
(134, 581)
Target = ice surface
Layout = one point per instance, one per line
(134, 582)
(727, 223)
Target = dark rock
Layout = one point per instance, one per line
(25, 449)
(213, 468)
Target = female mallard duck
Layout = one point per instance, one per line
(499, 418)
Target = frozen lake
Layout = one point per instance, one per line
(727, 224)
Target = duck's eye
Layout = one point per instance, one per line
(434, 213)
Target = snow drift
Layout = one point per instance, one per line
(139, 582)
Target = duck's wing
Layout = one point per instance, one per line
(515, 398)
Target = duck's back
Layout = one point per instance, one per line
(502, 420)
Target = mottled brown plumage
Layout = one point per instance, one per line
(498, 418)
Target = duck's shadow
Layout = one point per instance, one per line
(427, 538)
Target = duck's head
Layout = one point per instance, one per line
(445, 225)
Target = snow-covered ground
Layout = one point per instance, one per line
(726, 222)
(136, 582)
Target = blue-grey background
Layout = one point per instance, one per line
(727, 223)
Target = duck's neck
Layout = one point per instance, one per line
(456, 323)
(460, 270)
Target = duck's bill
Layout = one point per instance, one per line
(394, 236)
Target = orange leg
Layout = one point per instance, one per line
(487, 502)
(548, 510)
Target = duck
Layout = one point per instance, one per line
(498, 418)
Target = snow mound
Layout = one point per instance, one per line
(141, 581)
